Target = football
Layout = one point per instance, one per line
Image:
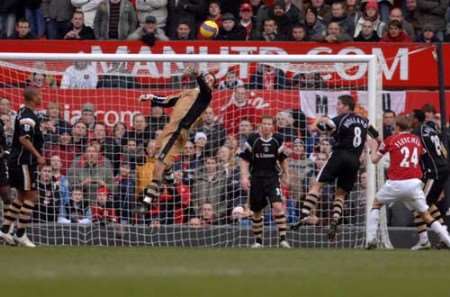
(209, 29)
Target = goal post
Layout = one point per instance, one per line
(310, 85)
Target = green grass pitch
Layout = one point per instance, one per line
(186, 272)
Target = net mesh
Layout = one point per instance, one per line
(100, 148)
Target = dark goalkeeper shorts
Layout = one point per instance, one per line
(4, 180)
(264, 191)
(341, 166)
(434, 187)
(23, 177)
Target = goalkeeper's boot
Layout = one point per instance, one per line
(24, 241)
(420, 246)
(334, 226)
(8, 238)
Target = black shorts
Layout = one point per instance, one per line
(4, 180)
(342, 166)
(23, 177)
(262, 191)
(434, 187)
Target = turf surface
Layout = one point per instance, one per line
(96, 272)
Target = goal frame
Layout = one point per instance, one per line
(374, 84)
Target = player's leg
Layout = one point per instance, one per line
(278, 210)
(258, 202)
(433, 190)
(25, 214)
(373, 221)
(11, 210)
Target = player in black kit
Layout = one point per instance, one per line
(261, 160)
(24, 158)
(435, 168)
(349, 132)
(4, 184)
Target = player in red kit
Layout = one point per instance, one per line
(404, 180)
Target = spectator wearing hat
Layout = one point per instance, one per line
(395, 33)
(432, 12)
(77, 30)
(88, 116)
(339, 15)
(397, 14)
(298, 33)
(200, 140)
(315, 28)
(246, 19)
(427, 35)
(149, 32)
(370, 13)
(367, 33)
(115, 19)
(186, 11)
(89, 9)
(155, 8)
(81, 75)
(231, 30)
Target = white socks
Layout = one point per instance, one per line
(423, 237)
(442, 232)
(373, 221)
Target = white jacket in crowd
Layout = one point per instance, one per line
(79, 78)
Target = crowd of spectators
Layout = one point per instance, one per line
(97, 173)
(265, 20)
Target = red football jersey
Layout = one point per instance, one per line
(405, 150)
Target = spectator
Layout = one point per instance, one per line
(283, 21)
(149, 32)
(139, 133)
(228, 164)
(132, 154)
(432, 13)
(200, 140)
(388, 123)
(81, 75)
(185, 11)
(79, 137)
(48, 130)
(64, 149)
(269, 32)
(125, 189)
(206, 216)
(411, 13)
(245, 129)
(118, 76)
(395, 33)
(187, 164)
(113, 145)
(300, 170)
(77, 210)
(89, 9)
(77, 29)
(115, 19)
(91, 171)
(255, 5)
(292, 12)
(427, 35)
(323, 10)
(8, 11)
(353, 10)
(367, 33)
(210, 186)
(23, 30)
(57, 14)
(48, 206)
(285, 126)
(183, 32)
(396, 14)
(33, 14)
(231, 81)
(8, 129)
(335, 34)
(268, 77)
(60, 181)
(315, 28)
(214, 131)
(54, 115)
(338, 15)
(102, 209)
(298, 33)
(246, 19)
(157, 120)
(154, 8)
(40, 78)
(214, 12)
(231, 30)
(237, 108)
(370, 13)
(5, 108)
(88, 116)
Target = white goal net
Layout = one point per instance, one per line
(100, 145)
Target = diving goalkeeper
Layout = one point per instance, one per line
(188, 106)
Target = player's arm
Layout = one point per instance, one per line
(284, 172)
(376, 151)
(324, 124)
(168, 101)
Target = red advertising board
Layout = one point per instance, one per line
(403, 65)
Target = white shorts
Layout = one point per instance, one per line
(408, 191)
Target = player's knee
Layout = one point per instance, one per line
(277, 208)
